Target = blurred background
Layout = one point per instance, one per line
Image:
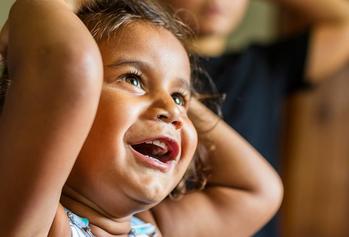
(315, 165)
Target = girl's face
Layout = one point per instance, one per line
(211, 17)
(142, 140)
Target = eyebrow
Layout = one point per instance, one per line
(135, 63)
(183, 84)
(143, 66)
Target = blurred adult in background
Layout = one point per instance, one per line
(258, 79)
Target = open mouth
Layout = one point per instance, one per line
(157, 153)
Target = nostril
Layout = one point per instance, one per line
(168, 119)
(177, 124)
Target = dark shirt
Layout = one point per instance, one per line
(256, 82)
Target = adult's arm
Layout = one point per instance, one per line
(242, 194)
(56, 73)
(329, 48)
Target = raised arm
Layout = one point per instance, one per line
(329, 48)
(243, 191)
(56, 73)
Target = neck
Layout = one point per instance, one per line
(97, 217)
(213, 45)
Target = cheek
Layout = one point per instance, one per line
(189, 141)
(236, 11)
(116, 112)
(113, 119)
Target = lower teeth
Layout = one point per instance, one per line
(157, 160)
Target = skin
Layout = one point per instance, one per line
(165, 74)
(78, 96)
(243, 191)
(159, 105)
(211, 17)
(71, 107)
(212, 21)
(329, 21)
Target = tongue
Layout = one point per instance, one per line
(150, 150)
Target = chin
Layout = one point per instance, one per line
(154, 192)
(153, 195)
(213, 31)
(217, 27)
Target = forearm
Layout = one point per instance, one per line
(48, 28)
(233, 161)
(242, 194)
(319, 11)
(55, 68)
(329, 21)
(55, 72)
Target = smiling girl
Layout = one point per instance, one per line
(95, 125)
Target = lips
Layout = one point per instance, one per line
(157, 153)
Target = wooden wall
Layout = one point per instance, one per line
(316, 162)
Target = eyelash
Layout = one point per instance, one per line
(135, 74)
(184, 94)
(138, 75)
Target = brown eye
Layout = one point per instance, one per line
(179, 99)
(134, 80)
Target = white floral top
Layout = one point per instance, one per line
(80, 227)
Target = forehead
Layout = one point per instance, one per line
(153, 45)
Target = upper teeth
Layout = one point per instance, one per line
(157, 143)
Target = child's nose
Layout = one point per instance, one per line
(166, 110)
(169, 117)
